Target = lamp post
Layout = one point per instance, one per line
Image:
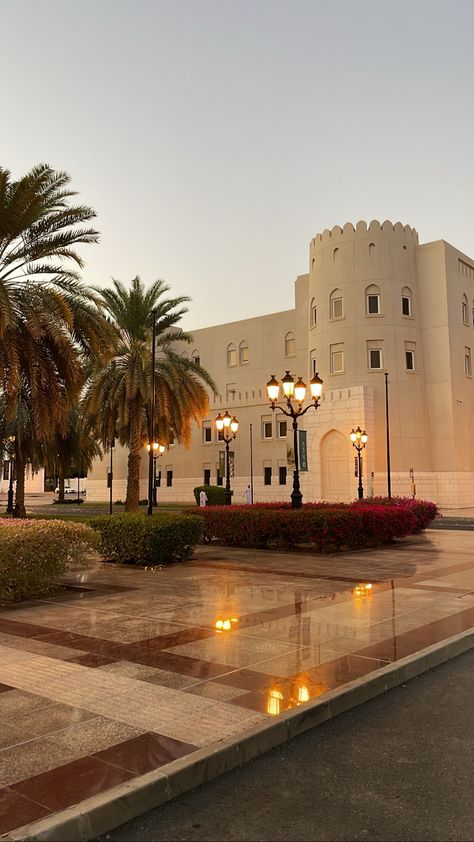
(152, 413)
(227, 428)
(294, 393)
(387, 426)
(156, 449)
(359, 440)
(10, 508)
(110, 476)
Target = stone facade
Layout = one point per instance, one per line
(374, 301)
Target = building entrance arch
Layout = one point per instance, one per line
(335, 468)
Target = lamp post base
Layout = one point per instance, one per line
(296, 499)
(9, 509)
(227, 497)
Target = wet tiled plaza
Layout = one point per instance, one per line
(125, 670)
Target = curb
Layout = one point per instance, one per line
(102, 813)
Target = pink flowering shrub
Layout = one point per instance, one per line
(324, 527)
(34, 554)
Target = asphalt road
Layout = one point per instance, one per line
(397, 768)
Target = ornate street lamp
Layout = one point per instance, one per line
(11, 470)
(155, 449)
(294, 394)
(151, 432)
(359, 440)
(227, 428)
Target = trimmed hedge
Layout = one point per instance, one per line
(148, 541)
(326, 528)
(215, 494)
(34, 554)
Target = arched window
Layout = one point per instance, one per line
(373, 302)
(336, 310)
(313, 313)
(335, 253)
(196, 357)
(290, 345)
(465, 316)
(243, 352)
(231, 355)
(407, 309)
(371, 249)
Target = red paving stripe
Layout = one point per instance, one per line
(15, 810)
(167, 641)
(4, 688)
(144, 753)
(20, 629)
(71, 783)
(273, 571)
(91, 660)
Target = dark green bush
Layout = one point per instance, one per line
(148, 541)
(215, 494)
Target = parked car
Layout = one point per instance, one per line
(69, 490)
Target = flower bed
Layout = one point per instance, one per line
(148, 541)
(324, 527)
(35, 553)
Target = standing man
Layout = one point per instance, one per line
(202, 499)
(248, 495)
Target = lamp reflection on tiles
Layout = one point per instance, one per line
(274, 701)
(225, 625)
(362, 590)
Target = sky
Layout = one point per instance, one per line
(215, 138)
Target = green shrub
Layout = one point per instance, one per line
(215, 494)
(35, 553)
(140, 539)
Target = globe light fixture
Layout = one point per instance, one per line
(155, 450)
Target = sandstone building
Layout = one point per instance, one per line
(374, 300)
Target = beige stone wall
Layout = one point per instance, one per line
(431, 406)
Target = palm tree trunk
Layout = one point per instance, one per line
(20, 466)
(60, 482)
(133, 479)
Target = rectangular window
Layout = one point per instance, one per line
(337, 358)
(244, 355)
(410, 348)
(231, 356)
(267, 476)
(373, 304)
(207, 434)
(158, 479)
(6, 469)
(197, 360)
(467, 362)
(169, 479)
(282, 475)
(207, 476)
(336, 308)
(282, 429)
(374, 354)
(218, 477)
(314, 315)
(313, 363)
(267, 428)
(406, 305)
(230, 390)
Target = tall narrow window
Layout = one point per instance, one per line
(196, 357)
(313, 363)
(371, 249)
(337, 358)
(169, 478)
(207, 432)
(282, 475)
(207, 476)
(218, 477)
(290, 345)
(336, 309)
(467, 362)
(314, 313)
(267, 427)
(373, 305)
(406, 302)
(465, 316)
(410, 348)
(374, 354)
(243, 352)
(231, 355)
(335, 254)
(267, 476)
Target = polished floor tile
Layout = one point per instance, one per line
(144, 753)
(16, 811)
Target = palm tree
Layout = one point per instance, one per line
(50, 323)
(71, 453)
(118, 394)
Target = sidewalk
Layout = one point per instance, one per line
(180, 674)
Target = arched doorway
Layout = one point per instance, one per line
(335, 468)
